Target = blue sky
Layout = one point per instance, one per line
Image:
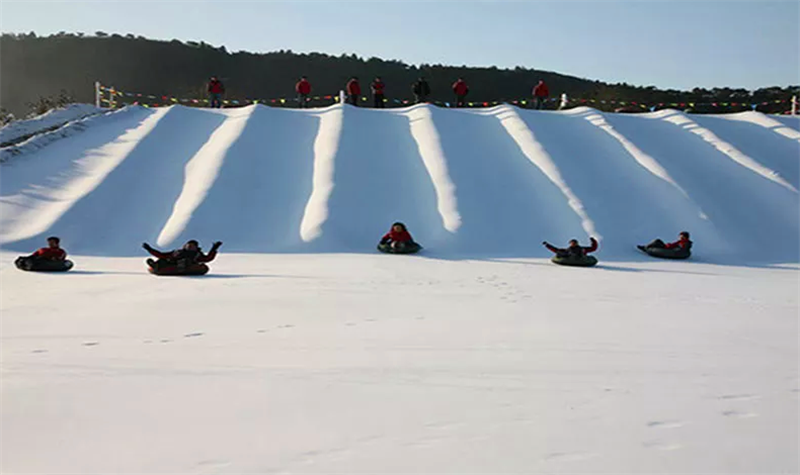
(677, 44)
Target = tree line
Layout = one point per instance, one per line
(34, 68)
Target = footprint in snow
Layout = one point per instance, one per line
(739, 414)
(192, 335)
(166, 340)
(39, 351)
(261, 331)
(665, 446)
(569, 456)
(286, 326)
(740, 397)
(91, 343)
(665, 424)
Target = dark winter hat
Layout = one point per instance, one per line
(192, 241)
(54, 238)
(398, 223)
(684, 233)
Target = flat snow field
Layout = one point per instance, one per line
(375, 364)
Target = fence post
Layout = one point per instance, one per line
(97, 94)
(794, 105)
(341, 96)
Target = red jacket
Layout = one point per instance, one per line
(460, 88)
(682, 243)
(216, 87)
(576, 250)
(51, 253)
(394, 236)
(541, 90)
(353, 87)
(377, 87)
(303, 87)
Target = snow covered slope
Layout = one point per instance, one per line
(20, 129)
(491, 182)
(306, 351)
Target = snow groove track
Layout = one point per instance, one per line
(757, 218)
(379, 177)
(507, 203)
(469, 183)
(618, 193)
(257, 201)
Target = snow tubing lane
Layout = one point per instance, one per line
(40, 265)
(667, 253)
(410, 249)
(197, 269)
(583, 261)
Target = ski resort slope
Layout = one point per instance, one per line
(468, 183)
(305, 351)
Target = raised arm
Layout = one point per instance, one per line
(591, 248)
(552, 248)
(211, 254)
(154, 252)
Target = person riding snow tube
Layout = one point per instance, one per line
(680, 249)
(398, 241)
(47, 259)
(574, 255)
(189, 260)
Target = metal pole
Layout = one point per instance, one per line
(97, 94)
(794, 105)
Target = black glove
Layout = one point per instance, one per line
(216, 245)
(146, 246)
(544, 243)
(384, 240)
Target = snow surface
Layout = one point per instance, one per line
(52, 118)
(305, 351)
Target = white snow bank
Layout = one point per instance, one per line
(360, 364)
(50, 119)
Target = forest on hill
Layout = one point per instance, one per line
(33, 69)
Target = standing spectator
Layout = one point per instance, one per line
(377, 92)
(540, 93)
(303, 88)
(461, 89)
(353, 91)
(421, 90)
(215, 92)
(564, 101)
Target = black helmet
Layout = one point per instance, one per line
(54, 238)
(398, 223)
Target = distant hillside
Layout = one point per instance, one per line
(32, 67)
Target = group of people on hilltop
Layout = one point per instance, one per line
(420, 88)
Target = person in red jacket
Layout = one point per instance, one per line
(682, 243)
(303, 89)
(377, 87)
(398, 237)
(573, 250)
(353, 91)
(52, 252)
(215, 92)
(461, 89)
(46, 255)
(540, 94)
(189, 254)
